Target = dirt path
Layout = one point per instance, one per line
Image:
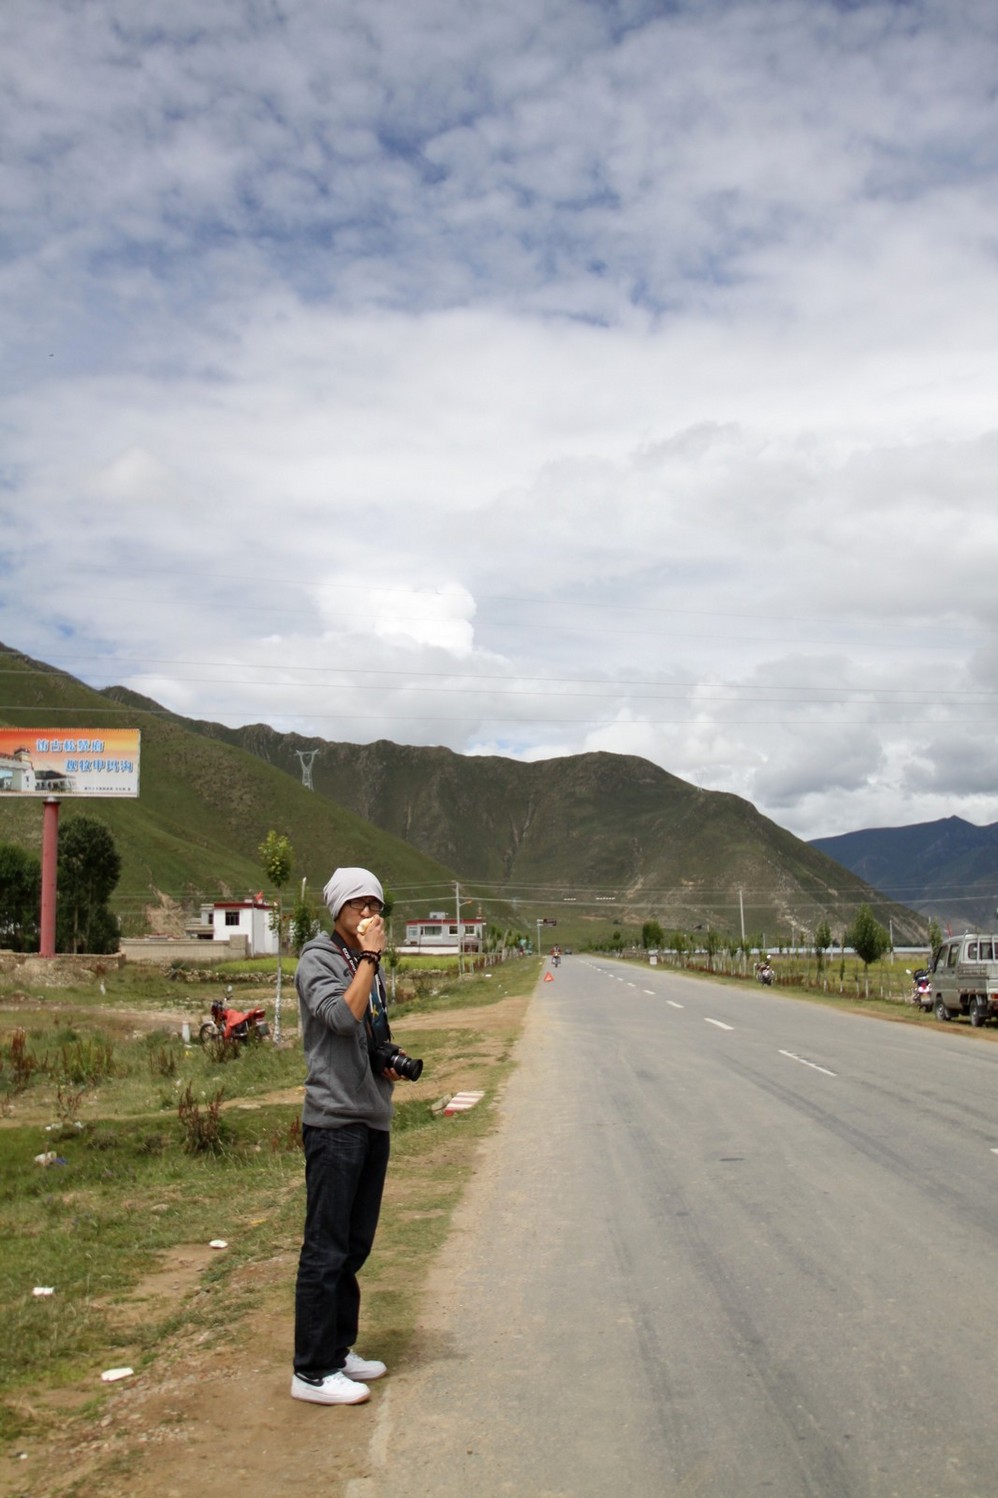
(213, 1415)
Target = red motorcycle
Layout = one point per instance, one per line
(227, 1023)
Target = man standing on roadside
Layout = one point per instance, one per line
(345, 1130)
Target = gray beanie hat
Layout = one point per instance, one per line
(350, 884)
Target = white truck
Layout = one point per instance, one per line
(965, 978)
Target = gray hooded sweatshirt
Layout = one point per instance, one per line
(340, 1087)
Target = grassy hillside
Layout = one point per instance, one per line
(591, 839)
(204, 807)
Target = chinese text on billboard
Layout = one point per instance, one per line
(69, 762)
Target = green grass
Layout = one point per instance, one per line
(470, 992)
(139, 1075)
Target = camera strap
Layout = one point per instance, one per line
(376, 1016)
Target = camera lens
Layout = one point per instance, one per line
(408, 1067)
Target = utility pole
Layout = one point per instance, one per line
(457, 912)
(741, 911)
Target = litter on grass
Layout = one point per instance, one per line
(218, 1243)
(112, 1375)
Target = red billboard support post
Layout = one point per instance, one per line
(50, 861)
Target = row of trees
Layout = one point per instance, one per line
(866, 936)
(89, 868)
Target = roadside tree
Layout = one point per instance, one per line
(20, 897)
(277, 857)
(680, 943)
(652, 935)
(304, 923)
(869, 940)
(713, 941)
(935, 937)
(89, 867)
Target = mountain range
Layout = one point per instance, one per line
(946, 869)
(592, 841)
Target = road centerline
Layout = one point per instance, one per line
(812, 1064)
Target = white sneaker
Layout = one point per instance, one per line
(335, 1388)
(363, 1369)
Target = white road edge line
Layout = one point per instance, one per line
(814, 1066)
(719, 1023)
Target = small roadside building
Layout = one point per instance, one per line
(249, 918)
(441, 935)
(227, 930)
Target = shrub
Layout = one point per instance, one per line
(202, 1128)
(86, 1062)
(67, 1103)
(163, 1061)
(287, 1140)
(18, 1062)
(219, 1050)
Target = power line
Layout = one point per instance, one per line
(543, 601)
(486, 717)
(671, 690)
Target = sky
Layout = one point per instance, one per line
(529, 379)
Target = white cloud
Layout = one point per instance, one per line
(589, 378)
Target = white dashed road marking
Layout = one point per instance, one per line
(719, 1023)
(812, 1064)
(673, 1005)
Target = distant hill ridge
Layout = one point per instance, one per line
(947, 869)
(582, 838)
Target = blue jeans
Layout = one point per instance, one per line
(344, 1179)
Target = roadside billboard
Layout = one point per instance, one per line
(69, 761)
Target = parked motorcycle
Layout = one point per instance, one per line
(227, 1023)
(921, 989)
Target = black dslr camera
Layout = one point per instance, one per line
(388, 1057)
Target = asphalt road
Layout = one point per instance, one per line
(724, 1243)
